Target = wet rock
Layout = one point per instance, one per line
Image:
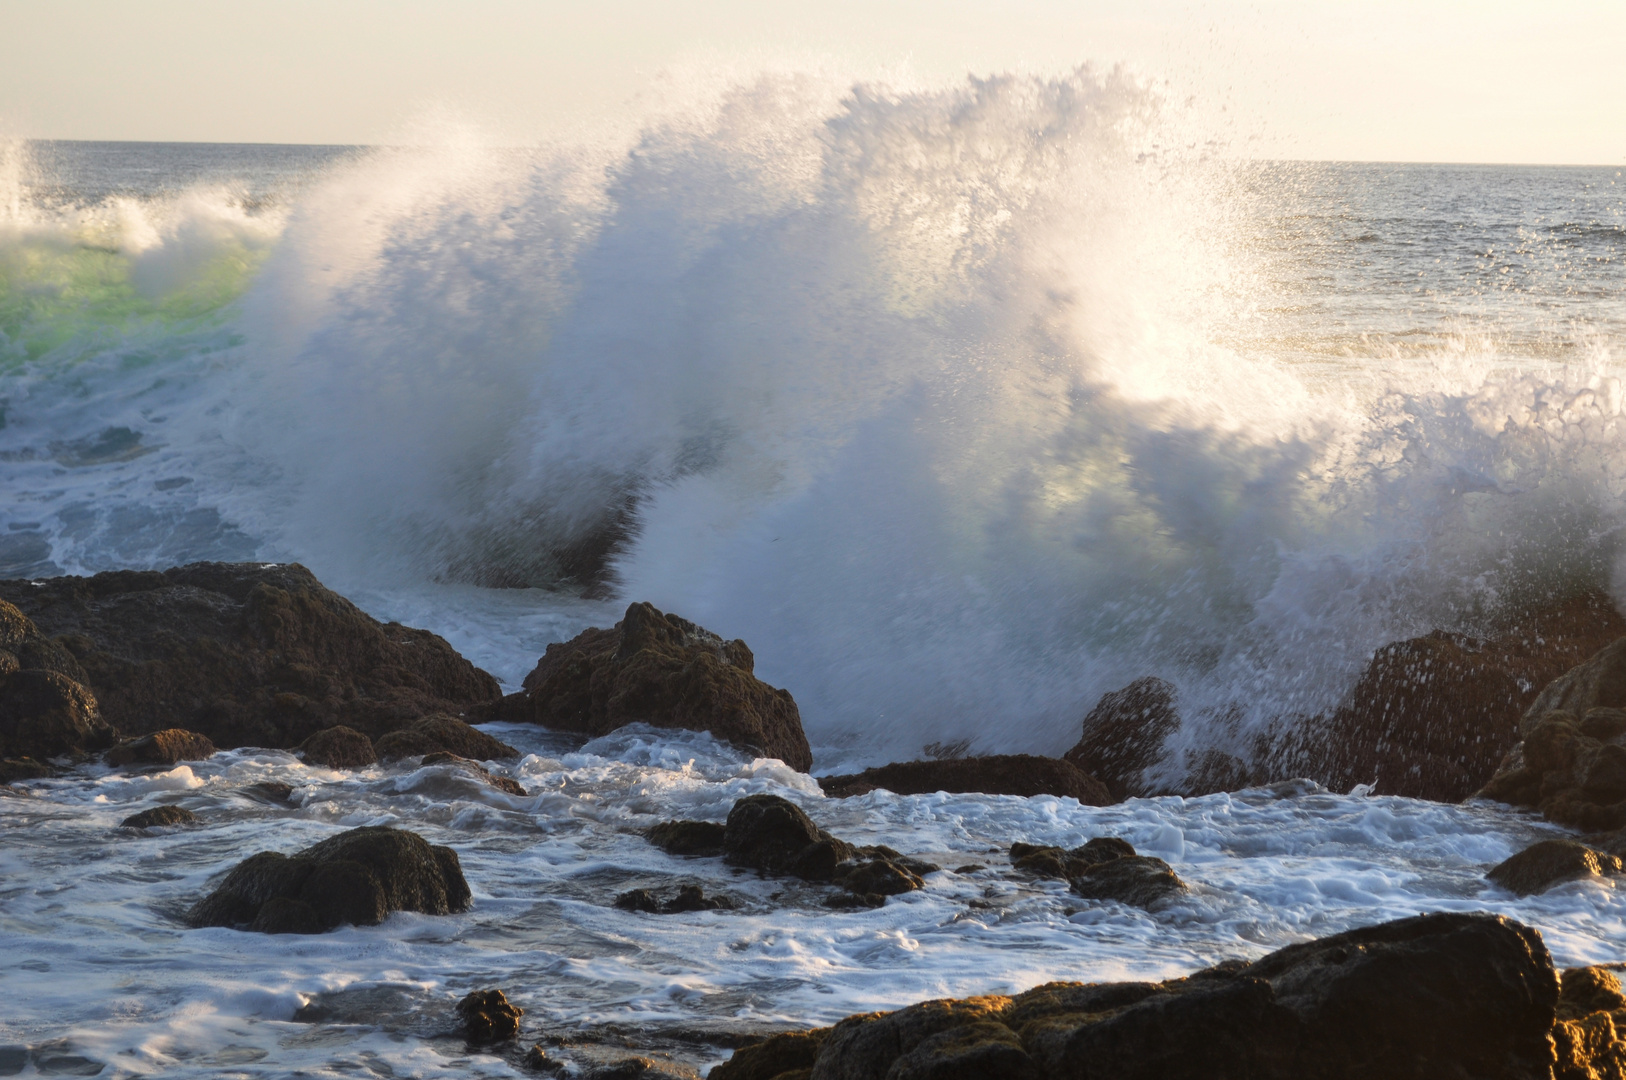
(1541, 866)
(487, 1016)
(1434, 717)
(1055, 862)
(359, 876)
(1587, 1039)
(247, 654)
(1137, 880)
(852, 901)
(168, 747)
(690, 838)
(688, 898)
(46, 710)
(878, 876)
(639, 1068)
(338, 747)
(160, 816)
(774, 835)
(442, 734)
(270, 791)
(476, 770)
(773, 1057)
(662, 670)
(26, 768)
(999, 774)
(1123, 736)
(1445, 995)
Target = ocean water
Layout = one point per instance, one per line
(961, 405)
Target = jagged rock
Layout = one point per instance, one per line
(338, 747)
(999, 774)
(167, 747)
(880, 877)
(248, 654)
(661, 670)
(692, 838)
(774, 1057)
(1137, 880)
(359, 876)
(1055, 862)
(688, 898)
(774, 835)
(1541, 866)
(476, 770)
(442, 734)
(1433, 717)
(1124, 734)
(46, 710)
(1433, 996)
(160, 816)
(1571, 762)
(488, 1016)
(639, 1068)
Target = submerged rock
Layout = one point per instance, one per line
(46, 708)
(1137, 880)
(168, 747)
(1541, 866)
(443, 734)
(359, 876)
(1123, 736)
(159, 816)
(661, 670)
(691, 838)
(688, 898)
(476, 770)
(338, 747)
(1432, 996)
(488, 1016)
(247, 654)
(1055, 862)
(24, 768)
(998, 774)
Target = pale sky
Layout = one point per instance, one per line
(1426, 80)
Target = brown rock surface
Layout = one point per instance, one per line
(339, 747)
(160, 816)
(476, 770)
(167, 747)
(999, 774)
(442, 735)
(46, 710)
(488, 1016)
(1124, 735)
(1435, 996)
(248, 654)
(1541, 866)
(665, 671)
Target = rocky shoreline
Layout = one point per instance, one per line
(147, 670)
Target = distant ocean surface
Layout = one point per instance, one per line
(962, 407)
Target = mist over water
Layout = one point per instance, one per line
(961, 405)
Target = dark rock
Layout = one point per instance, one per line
(1000, 774)
(167, 747)
(1433, 717)
(1425, 998)
(160, 816)
(442, 734)
(46, 710)
(338, 747)
(248, 654)
(688, 898)
(1587, 1040)
(488, 1016)
(774, 835)
(638, 1068)
(773, 1057)
(476, 770)
(1541, 866)
(692, 838)
(1123, 736)
(25, 768)
(1137, 880)
(1055, 862)
(539, 1060)
(359, 876)
(270, 791)
(878, 876)
(849, 901)
(661, 670)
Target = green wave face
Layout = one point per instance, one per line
(68, 293)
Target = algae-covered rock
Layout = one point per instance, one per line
(168, 747)
(338, 747)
